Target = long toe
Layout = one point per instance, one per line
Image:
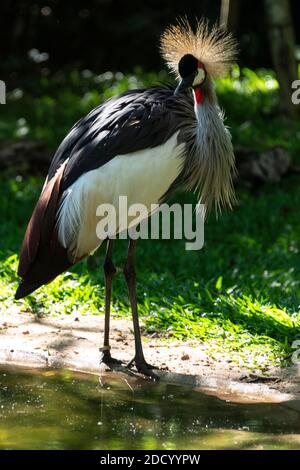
(144, 368)
(148, 372)
(143, 363)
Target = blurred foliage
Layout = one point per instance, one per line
(51, 105)
(251, 102)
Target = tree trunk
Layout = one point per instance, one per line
(282, 45)
(229, 14)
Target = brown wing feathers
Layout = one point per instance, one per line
(42, 257)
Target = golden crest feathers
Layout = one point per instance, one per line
(215, 48)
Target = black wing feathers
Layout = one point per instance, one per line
(133, 121)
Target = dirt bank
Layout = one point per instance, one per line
(73, 342)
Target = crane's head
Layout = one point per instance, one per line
(196, 56)
(192, 73)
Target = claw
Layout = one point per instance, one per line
(144, 368)
(107, 359)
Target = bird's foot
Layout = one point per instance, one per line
(107, 359)
(143, 367)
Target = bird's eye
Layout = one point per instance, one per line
(200, 77)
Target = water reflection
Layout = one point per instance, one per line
(63, 410)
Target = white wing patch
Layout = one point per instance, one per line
(69, 214)
(143, 176)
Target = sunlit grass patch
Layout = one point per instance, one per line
(68, 293)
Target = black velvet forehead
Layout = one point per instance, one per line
(187, 65)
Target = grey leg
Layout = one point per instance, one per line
(109, 272)
(129, 272)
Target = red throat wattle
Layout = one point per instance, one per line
(198, 95)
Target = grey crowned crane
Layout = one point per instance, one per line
(141, 144)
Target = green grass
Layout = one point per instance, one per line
(240, 294)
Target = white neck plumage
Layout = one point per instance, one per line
(212, 159)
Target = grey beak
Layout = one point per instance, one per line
(184, 84)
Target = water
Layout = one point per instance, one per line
(64, 410)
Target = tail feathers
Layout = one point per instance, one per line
(50, 261)
(42, 222)
(24, 289)
(42, 256)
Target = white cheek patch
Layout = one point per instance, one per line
(199, 77)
